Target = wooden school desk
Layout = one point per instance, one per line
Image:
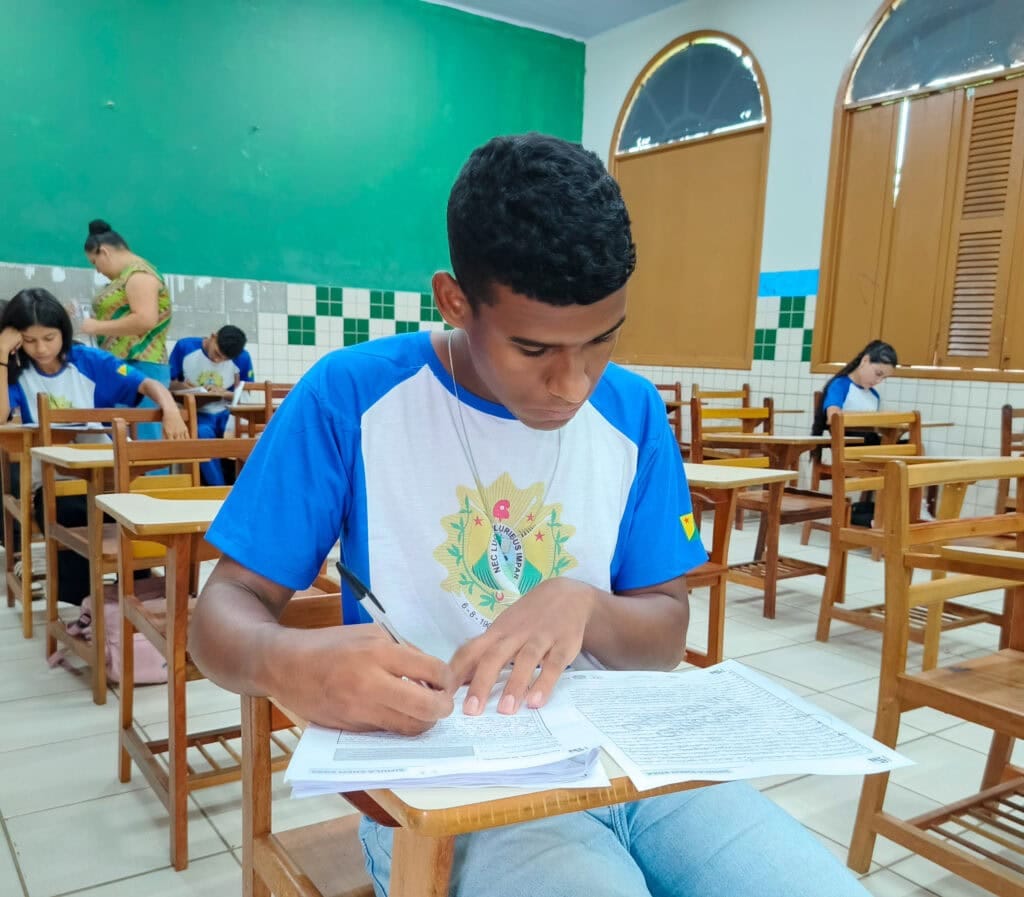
(720, 483)
(91, 464)
(16, 442)
(426, 820)
(179, 525)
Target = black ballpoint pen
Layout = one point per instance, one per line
(369, 602)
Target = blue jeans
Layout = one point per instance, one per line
(212, 426)
(722, 841)
(162, 374)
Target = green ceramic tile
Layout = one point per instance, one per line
(323, 306)
(294, 337)
(805, 353)
(322, 294)
(355, 331)
(336, 294)
(796, 319)
(406, 326)
(785, 319)
(308, 339)
(382, 305)
(799, 303)
(769, 352)
(785, 303)
(808, 337)
(758, 351)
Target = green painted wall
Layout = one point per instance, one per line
(298, 140)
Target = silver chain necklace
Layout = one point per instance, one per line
(462, 434)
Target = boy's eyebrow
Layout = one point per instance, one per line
(537, 344)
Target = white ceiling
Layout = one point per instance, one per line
(580, 19)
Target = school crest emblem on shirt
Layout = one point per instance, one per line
(490, 567)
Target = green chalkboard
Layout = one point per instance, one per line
(311, 141)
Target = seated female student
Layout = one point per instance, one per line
(38, 356)
(853, 388)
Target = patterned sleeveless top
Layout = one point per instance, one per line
(112, 303)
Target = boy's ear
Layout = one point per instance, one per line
(450, 300)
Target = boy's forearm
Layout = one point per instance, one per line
(639, 630)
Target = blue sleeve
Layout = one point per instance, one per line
(658, 539)
(836, 393)
(16, 399)
(244, 365)
(116, 382)
(285, 512)
(176, 360)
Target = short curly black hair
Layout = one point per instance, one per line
(231, 341)
(541, 216)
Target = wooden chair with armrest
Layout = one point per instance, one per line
(320, 860)
(165, 625)
(252, 421)
(853, 473)
(98, 542)
(980, 837)
(1011, 442)
(797, 506)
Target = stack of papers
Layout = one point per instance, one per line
(533, 748)
(726, 722)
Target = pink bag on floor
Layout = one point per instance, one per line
(150, 666)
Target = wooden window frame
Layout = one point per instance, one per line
(1005, 318)
(656, 60)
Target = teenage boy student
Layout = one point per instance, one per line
(514, 499)
(218, 363)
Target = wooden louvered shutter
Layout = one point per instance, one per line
(985, 213)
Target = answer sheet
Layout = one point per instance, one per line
(725, 722)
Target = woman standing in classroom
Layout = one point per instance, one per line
(132, 313)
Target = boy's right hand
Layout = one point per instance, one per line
(357, 679)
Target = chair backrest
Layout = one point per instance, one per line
(1011, 442)
(911, 544)
(55, 417)
(131, 457)
(849, 477)
(270, 395)
(673, 392)
(706, 421)
(722, 395)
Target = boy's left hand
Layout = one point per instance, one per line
(542, 629)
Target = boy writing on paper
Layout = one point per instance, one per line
(217, 364)
(539, 516)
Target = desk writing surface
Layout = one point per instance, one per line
(75, 456)
(146, 514)
(722, 476)
(743, 439)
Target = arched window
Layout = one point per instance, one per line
(690, 151)
(925, 211)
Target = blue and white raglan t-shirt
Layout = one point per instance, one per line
(90, 378)
(845, 394)
(189, 362)
(368, 444)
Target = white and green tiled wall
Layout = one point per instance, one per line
(290, 326)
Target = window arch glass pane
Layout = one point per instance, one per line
(931, 43)
(704, 87)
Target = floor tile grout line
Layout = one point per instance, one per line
(14, 856)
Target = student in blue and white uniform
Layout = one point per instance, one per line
(38, 357)
(513, 498)
(218, 363)
(853, 388)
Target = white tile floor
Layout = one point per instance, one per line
(68, 826)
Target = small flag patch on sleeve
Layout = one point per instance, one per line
(689, 525)
(123, 370)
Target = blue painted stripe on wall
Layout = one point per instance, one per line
(788, 283)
